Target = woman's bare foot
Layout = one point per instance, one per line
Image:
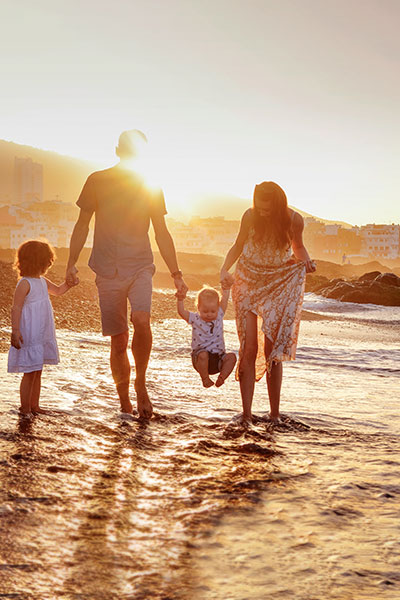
(39, 411)
(144, 406)
(242, 419)
(207, 382)
(220, 381)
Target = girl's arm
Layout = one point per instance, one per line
(225, 299)
(59, 290)
(21, 291)
(299, 250)
(181, 309)
(236, 250)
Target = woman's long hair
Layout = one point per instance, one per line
(278, 224)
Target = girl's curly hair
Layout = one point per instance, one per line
(34, 258)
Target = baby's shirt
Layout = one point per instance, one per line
(208, 335)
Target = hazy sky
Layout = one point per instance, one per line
(229, 92)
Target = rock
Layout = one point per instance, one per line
(369, 276)
(389, 279)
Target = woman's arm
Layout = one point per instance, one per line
(59, 290)
(299, 250)
(237, 248)
(21, 291)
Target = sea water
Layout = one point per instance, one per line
(193, 506)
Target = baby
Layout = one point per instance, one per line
(208, 346)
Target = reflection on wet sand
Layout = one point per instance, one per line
(191, 505)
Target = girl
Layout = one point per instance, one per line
(268, 283)
(33, 340)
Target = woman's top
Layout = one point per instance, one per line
(39, 344)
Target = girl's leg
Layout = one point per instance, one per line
(36, 393)
(247, 370)
(274, 383)
(25, 391)
(201, 366)
(228, 364)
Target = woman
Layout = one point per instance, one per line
(268, 283)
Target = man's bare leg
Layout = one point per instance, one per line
(228, 364)
(201, 366)
(141, 348)
(121, 368)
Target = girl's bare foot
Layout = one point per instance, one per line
(207, 382)
(25, 415)
(242, 419)
(126, 406)
(220, 381)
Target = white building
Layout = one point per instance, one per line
(380, 241)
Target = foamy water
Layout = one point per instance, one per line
(192, 506)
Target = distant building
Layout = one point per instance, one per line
(28, 180)
(380, 241)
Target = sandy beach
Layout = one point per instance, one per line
(191, 506)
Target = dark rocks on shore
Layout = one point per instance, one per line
(370, 288)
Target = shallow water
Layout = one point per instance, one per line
(192, 506)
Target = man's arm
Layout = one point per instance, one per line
(166, 246)
(78, 239)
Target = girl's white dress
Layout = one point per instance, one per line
(37, 329)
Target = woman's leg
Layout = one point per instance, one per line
(36, 393)
(247, 370)
(274, 382)
(25, 391)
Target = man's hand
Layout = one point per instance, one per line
(71, 276)
(181, 288)
(16, 339)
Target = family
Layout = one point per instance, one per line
(267, 287)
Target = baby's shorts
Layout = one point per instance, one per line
(214, 360)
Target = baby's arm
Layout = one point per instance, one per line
(181, 308)
(225, 299)
(20, 294)
(59, 290)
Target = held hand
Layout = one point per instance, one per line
(71, 283)
(71, 276)
(226, 279)
(181, 288)
(16, 339)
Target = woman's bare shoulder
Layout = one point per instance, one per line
(296, 219)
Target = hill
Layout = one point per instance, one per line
(63, 176)
(233, 207)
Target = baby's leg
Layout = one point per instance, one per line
(35, 408)
(25, 391)
(228, 364)
(201, 366)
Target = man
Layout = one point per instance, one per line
(123, 260)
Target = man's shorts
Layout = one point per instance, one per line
(114, 294)
(214, 361)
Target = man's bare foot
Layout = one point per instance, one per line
(220, 381)
(144, 406)
(207, 382)
(126, 406)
